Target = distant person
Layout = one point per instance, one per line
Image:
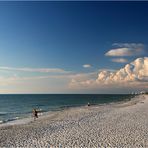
(88, 104)
(35, 114)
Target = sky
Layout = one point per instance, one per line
(73, 47)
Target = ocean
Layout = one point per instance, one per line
(18, 106)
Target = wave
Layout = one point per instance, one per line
(3, 113)
(10, 113)
(8, 120)
(12, 119)
(1, 121)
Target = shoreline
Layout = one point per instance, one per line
(26, 120)
(114, 125)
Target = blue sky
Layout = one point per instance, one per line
(66, 36)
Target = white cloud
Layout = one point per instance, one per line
(119, 60)
(133, 75)
(42, 70)
(126, 49)
(39, 83)
(87, 66)
(134, 71)
(119, 52)
(33, 80)
(105, 69)
(34, 84)
(129, 45)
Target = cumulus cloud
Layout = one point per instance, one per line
(119, 60)
(134, 74)
(126, 49)
(134, 71)
(87, 66)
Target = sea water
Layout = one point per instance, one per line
(13, 107)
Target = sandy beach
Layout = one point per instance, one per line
(114, 125)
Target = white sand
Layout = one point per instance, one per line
(116, 125)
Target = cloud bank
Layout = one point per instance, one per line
(134, 74)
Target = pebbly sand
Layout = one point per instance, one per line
(116, 125)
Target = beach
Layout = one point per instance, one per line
(123, 124)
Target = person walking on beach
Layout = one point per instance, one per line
(35, 114)
(88, 104)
